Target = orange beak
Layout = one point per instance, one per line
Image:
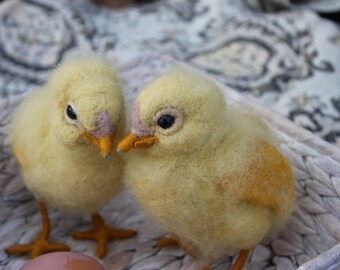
(132, 141)
(103, 143)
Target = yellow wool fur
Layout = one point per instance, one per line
(217, 181)
(58, 165)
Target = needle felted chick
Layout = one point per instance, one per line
(63, 135)
(208, 171)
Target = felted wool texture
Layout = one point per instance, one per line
(58, 165)
(217, 181)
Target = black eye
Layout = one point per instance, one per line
(166, 121)
(70, 112)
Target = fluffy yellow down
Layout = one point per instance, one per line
(215, 179)
(58, 165)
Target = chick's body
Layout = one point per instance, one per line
(63, 135)
(226, 186)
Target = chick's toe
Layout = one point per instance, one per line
(40, 245)
(102, 233)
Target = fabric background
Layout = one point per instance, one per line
(323, 6)
(288, 61)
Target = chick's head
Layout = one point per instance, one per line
(180, 112)
(87, 103)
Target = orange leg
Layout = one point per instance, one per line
(40, 245)
(241, 260)
(102, 233)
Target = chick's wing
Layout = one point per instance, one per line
(269, 178)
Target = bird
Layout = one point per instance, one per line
(207, 170)
(63, 135)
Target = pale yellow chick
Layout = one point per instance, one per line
(208, 171)
(63, 135)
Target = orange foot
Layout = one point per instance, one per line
(174, 240)
(102, 234)
(239, 263)
(40, 245)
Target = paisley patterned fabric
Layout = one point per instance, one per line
(287, 61)
(322, 6)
